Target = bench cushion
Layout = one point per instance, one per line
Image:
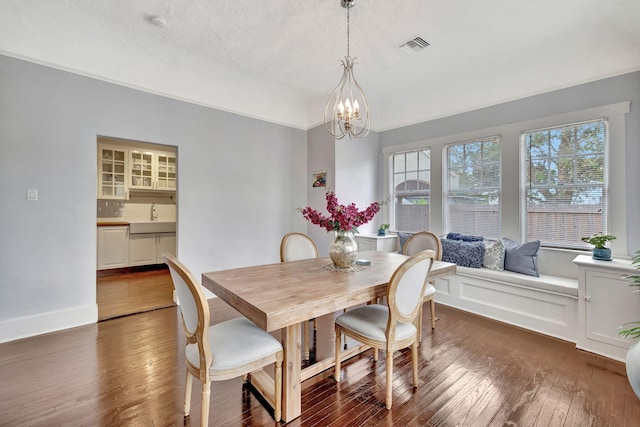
(556, 284)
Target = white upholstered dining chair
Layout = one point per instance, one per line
(226, 350)
(390, 327)
(421, 241)
(295, 247)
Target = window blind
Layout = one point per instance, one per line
(411, 176)
(473, 187)
(565, 183)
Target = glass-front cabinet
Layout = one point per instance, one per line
(166, 177)
(112, 172)
(122, 169)
(141, 170)
(151, 170)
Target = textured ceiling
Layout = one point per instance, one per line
(278, 60)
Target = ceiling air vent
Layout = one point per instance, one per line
(414, 45)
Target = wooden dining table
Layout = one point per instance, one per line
(283, 295)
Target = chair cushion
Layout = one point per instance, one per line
(429, 290)
(371, 321)
(234, 343)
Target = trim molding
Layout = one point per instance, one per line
(51, 321)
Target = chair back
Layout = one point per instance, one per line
(297, 246)
(406, 289)
(194, 308)
(422, 241)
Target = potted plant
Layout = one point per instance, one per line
(382, 231)
(633, 331)
(600, 250)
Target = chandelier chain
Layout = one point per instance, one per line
(348, 9)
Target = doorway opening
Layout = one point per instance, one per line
(136, 216)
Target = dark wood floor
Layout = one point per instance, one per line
(129, 371)
(125, 294)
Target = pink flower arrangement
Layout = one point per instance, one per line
(341, 217)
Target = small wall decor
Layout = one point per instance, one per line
(319, 178)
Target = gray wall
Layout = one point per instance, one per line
(353, 172)
(600, 93)
(321, 156)
(240, 180)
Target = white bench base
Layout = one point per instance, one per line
(548, 304)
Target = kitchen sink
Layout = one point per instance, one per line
(152, 227)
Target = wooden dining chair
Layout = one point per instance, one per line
(421, 241)
(390, 327)
(226, 350)
(295, 247)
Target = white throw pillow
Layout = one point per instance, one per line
(493, 255)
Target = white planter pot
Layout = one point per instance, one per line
(633, 367)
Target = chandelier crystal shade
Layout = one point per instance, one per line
(347, 111)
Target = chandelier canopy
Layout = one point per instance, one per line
(347, 111)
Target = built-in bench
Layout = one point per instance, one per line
(547, 304)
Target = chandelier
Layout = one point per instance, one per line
(347, 112)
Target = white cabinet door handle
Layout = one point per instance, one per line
(587, 299)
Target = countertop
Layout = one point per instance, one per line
(112, 223)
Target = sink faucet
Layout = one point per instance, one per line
(154, 212)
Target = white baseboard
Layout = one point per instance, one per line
(43, 323)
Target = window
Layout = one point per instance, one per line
(411, 177)
(565, 174)
(472, 192)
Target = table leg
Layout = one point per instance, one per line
(291, 373)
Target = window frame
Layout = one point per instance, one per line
(524, 184)
(392, 187)
(435, 136)
(446, 191)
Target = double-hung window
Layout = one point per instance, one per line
(411, 178)
(472, 187)
(565, 183)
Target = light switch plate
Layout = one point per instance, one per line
(32, 194)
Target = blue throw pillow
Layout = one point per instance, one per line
(521, 258)
(403, 238)
(464, 254)
(464, 237)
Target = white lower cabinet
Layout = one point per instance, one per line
(371, 242)
(113, 247)
(145, 249)
(606, 302)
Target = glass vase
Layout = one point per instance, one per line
(343, 250)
